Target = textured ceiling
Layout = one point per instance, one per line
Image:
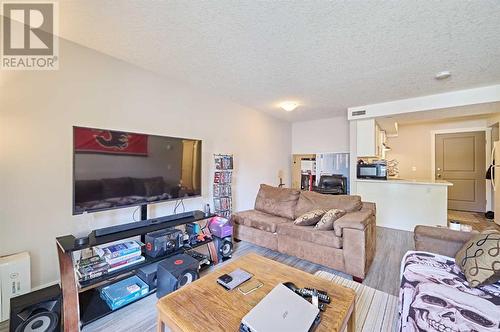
(327, 55)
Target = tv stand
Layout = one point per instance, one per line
(81, 301)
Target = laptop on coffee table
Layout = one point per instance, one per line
(280, 310)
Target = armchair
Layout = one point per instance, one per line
(332, 184)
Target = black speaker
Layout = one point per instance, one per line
(224, 247)
(148, 274)
(175, 272)
(38, 311)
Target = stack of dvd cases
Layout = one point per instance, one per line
(223, 185)
(120, 255)
(92, 267)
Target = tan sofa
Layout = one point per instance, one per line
(440, 240)
(349, 247)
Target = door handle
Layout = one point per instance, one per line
(493, 177)
(493, 154)
(438, 175)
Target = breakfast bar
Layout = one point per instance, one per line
(403, 204)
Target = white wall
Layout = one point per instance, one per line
(320, 136)
(38, 110)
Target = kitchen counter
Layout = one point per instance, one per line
(403, 204)
(411, 181)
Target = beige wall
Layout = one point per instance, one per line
(412, 147)
(38, 110)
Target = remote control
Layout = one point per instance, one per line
(308, 292)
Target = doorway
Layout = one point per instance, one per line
(460, 158)
(296, 168)
(190, 156)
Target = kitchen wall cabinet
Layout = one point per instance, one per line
(370, 139)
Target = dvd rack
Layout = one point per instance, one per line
(223, 180)
(83, 297)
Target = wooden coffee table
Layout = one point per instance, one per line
(206, 306)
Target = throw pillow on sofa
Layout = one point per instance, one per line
(326, 222)
(309, 218)
(479, 259)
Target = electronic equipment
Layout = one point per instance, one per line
(250, 286)
(81, 241)
(234, 279)
(163, 242)
(220, 227)
(15, 279)
(192, 230)
(149, 172)
(175, 272)
(222, 232)
(143, 223)
(372, 171)
(224, 247)
(203, 259)
(281, 310)
(148, 274)
(308, 292)
(37, 311)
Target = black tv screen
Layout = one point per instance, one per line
(114, 169)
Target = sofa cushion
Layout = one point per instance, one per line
(154, 186)
(88, 191)
(259, 220)
(277, 201)
(310, 200)
(117, 187)
(309, 234)
(479, 259)
(326, 222)
(310, 218)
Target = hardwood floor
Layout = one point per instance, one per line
(383, 275)
(392, 244)
(477, 220)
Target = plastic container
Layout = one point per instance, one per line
(124, 292)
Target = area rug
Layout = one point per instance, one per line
(375, 310)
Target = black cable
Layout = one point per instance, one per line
(133, 214)
(179, 203)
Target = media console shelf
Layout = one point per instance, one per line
(82, 303)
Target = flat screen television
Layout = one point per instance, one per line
(115, 169)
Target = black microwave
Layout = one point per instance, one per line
(372, 171)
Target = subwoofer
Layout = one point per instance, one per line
(38, 311)
(224, 247)
(175, 272)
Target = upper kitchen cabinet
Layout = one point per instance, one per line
(370, 139)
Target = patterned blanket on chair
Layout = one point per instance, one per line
(436, 297)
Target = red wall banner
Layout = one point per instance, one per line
(107, 141)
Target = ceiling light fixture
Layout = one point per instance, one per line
(289, 105)
(442, 75)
